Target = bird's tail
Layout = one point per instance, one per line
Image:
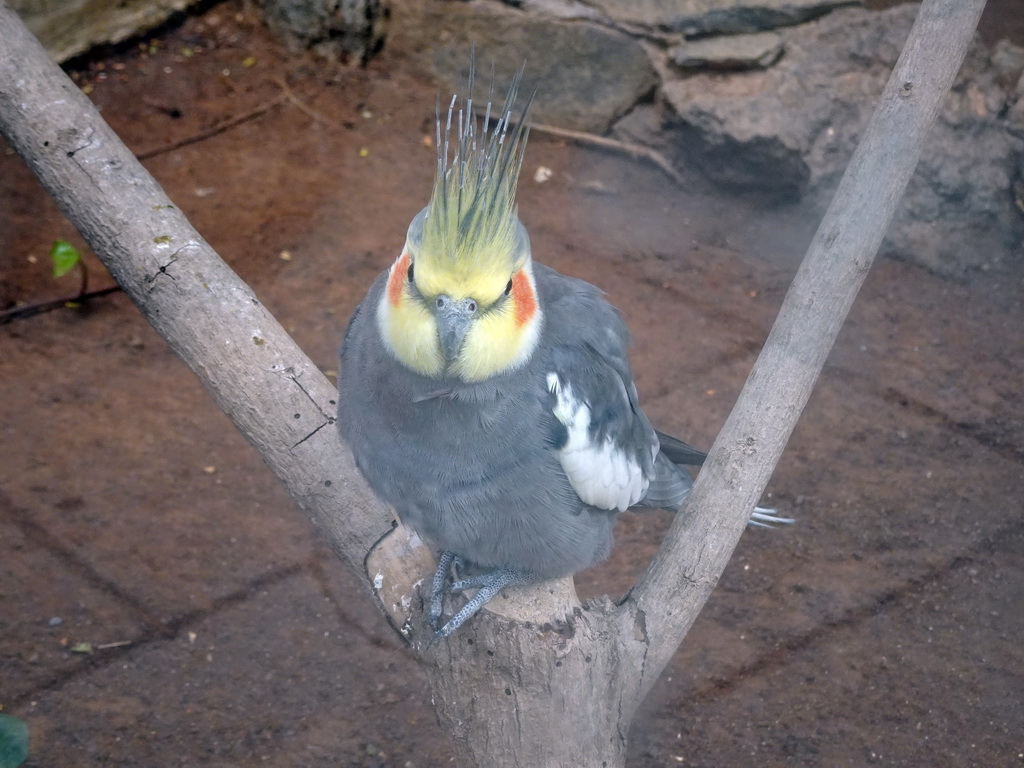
(678, 452)
(671, 484)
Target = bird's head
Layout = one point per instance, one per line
(461, 299)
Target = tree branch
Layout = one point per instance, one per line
(274, 394)
(37, 308)
(744, 455)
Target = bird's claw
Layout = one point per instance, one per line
(437, 588)
(487, 585)
(768, 517)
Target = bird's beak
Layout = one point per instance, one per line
(453, 320)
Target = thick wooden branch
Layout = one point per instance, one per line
(275, 395)
(744, 455)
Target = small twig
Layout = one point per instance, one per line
(160, 106)
(118, 644)
(636, 151)
(216, 129)
(286, 94)
(83, 282)
(296, 101)
(28, 310)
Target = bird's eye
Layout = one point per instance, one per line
(508, 288)
(409, 273)
(471, 305)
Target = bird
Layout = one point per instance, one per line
(488, 398)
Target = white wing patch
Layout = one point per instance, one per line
(601, 474)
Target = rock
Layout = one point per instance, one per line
(560, 9)
(1015, 115)
(586, 76)
(696, 18)
(350, 30)
(776, 131)
(68, 28)
(787, 133)
(1008, 61)
(754, 51)
(644, 125)
(1018, 184)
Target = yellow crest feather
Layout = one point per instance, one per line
(471, 229)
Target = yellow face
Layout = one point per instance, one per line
(501, 334)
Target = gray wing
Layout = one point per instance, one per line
(606, 445)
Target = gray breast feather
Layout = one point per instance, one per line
(485, 470)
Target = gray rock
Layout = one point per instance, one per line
(1015, 114)
(644, 125)
(803, 113)
(788, 132)
(68, 28)
(586, 75)
(695, 18)
(1008, 61)
(1018, 184)
(351, 30)
(758, 50)
(560, 9)
(959, 211)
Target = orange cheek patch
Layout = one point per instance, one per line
(524, 298)
(396, 282)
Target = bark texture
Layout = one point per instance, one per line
(558, 685)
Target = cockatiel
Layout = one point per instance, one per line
(489, 398)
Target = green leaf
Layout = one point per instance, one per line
(64, 257)
(13, 741)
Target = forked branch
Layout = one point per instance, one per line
(744, 455)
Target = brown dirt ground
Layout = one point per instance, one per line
(882, 629)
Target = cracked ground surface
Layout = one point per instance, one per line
(883, 629)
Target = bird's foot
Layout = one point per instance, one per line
(487, 585)
(768, 517)
(439, 585)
